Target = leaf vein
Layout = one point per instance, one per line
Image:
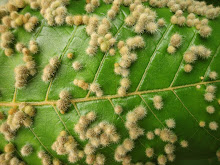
(103, 59)
(206, 72)
(40, 141)
(153, 55)
(35, 37)
(193, 39)
(77, 100)
(193, 115)
(60, 58)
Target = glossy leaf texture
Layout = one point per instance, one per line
(154, 73)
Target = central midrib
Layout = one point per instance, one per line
(78, 100)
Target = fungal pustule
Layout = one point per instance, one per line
(128, 144)
(202, 124)
(121, 91)
(189, 22)
(140, 112)
(112, 52)
(211, 89)
(130, 20)
(111, 14)
(191, 16)
(19, 46)
(165, 134)
(104, 46)
(174, 19)
(9, 148)
(120, 44)
(189, 57)
(29, 110)
(100, 159)
(152, 27)
(181, 20)
(90, 159)
(184, 143)
(203, 52)
(188, 68)
(70, 55)
(169, 148)
(161, 22)
(135, 42)
(213, 125)
(170, 123)
(91, 116)
(77, 66)
(8, 37)
(161, 159)
(149, 152)
(205, 31)
(94, 87)
(171, 49)
(209, 97)
(77, 20)
(26, 150)
(171, 157)
(33, 47)
(210, 109)
(150, 135)
(157, 131)
(50, 69)
(99, 93)
(118, 109)
(158, 103)
(213, 75)
(64, 102)
(91, 51)
(179, 13)
(8, 52)
(125, 82)
(176, 40)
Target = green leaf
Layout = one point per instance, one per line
(154, 73)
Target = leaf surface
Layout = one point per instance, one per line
(154, 73)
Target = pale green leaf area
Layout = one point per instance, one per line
(154, 73)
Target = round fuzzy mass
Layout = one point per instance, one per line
(26, 150)
(176, 40)
(170, 123)
(105, 82)
(213, 125)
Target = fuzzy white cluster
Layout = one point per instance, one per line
(64, 102)
(210, 94)
(81, 83)
(158, 102)
(90, 6)
(194, 53)
(9, 156)
(100, 36)
(175, 42)
(132, 118)
(142, 18)
(122, 150)
(100, 135)
(66, 145)
(26, 150)
(16, 119)
(95, 88)
(50, 69)
(128, 57)
(114, 9)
